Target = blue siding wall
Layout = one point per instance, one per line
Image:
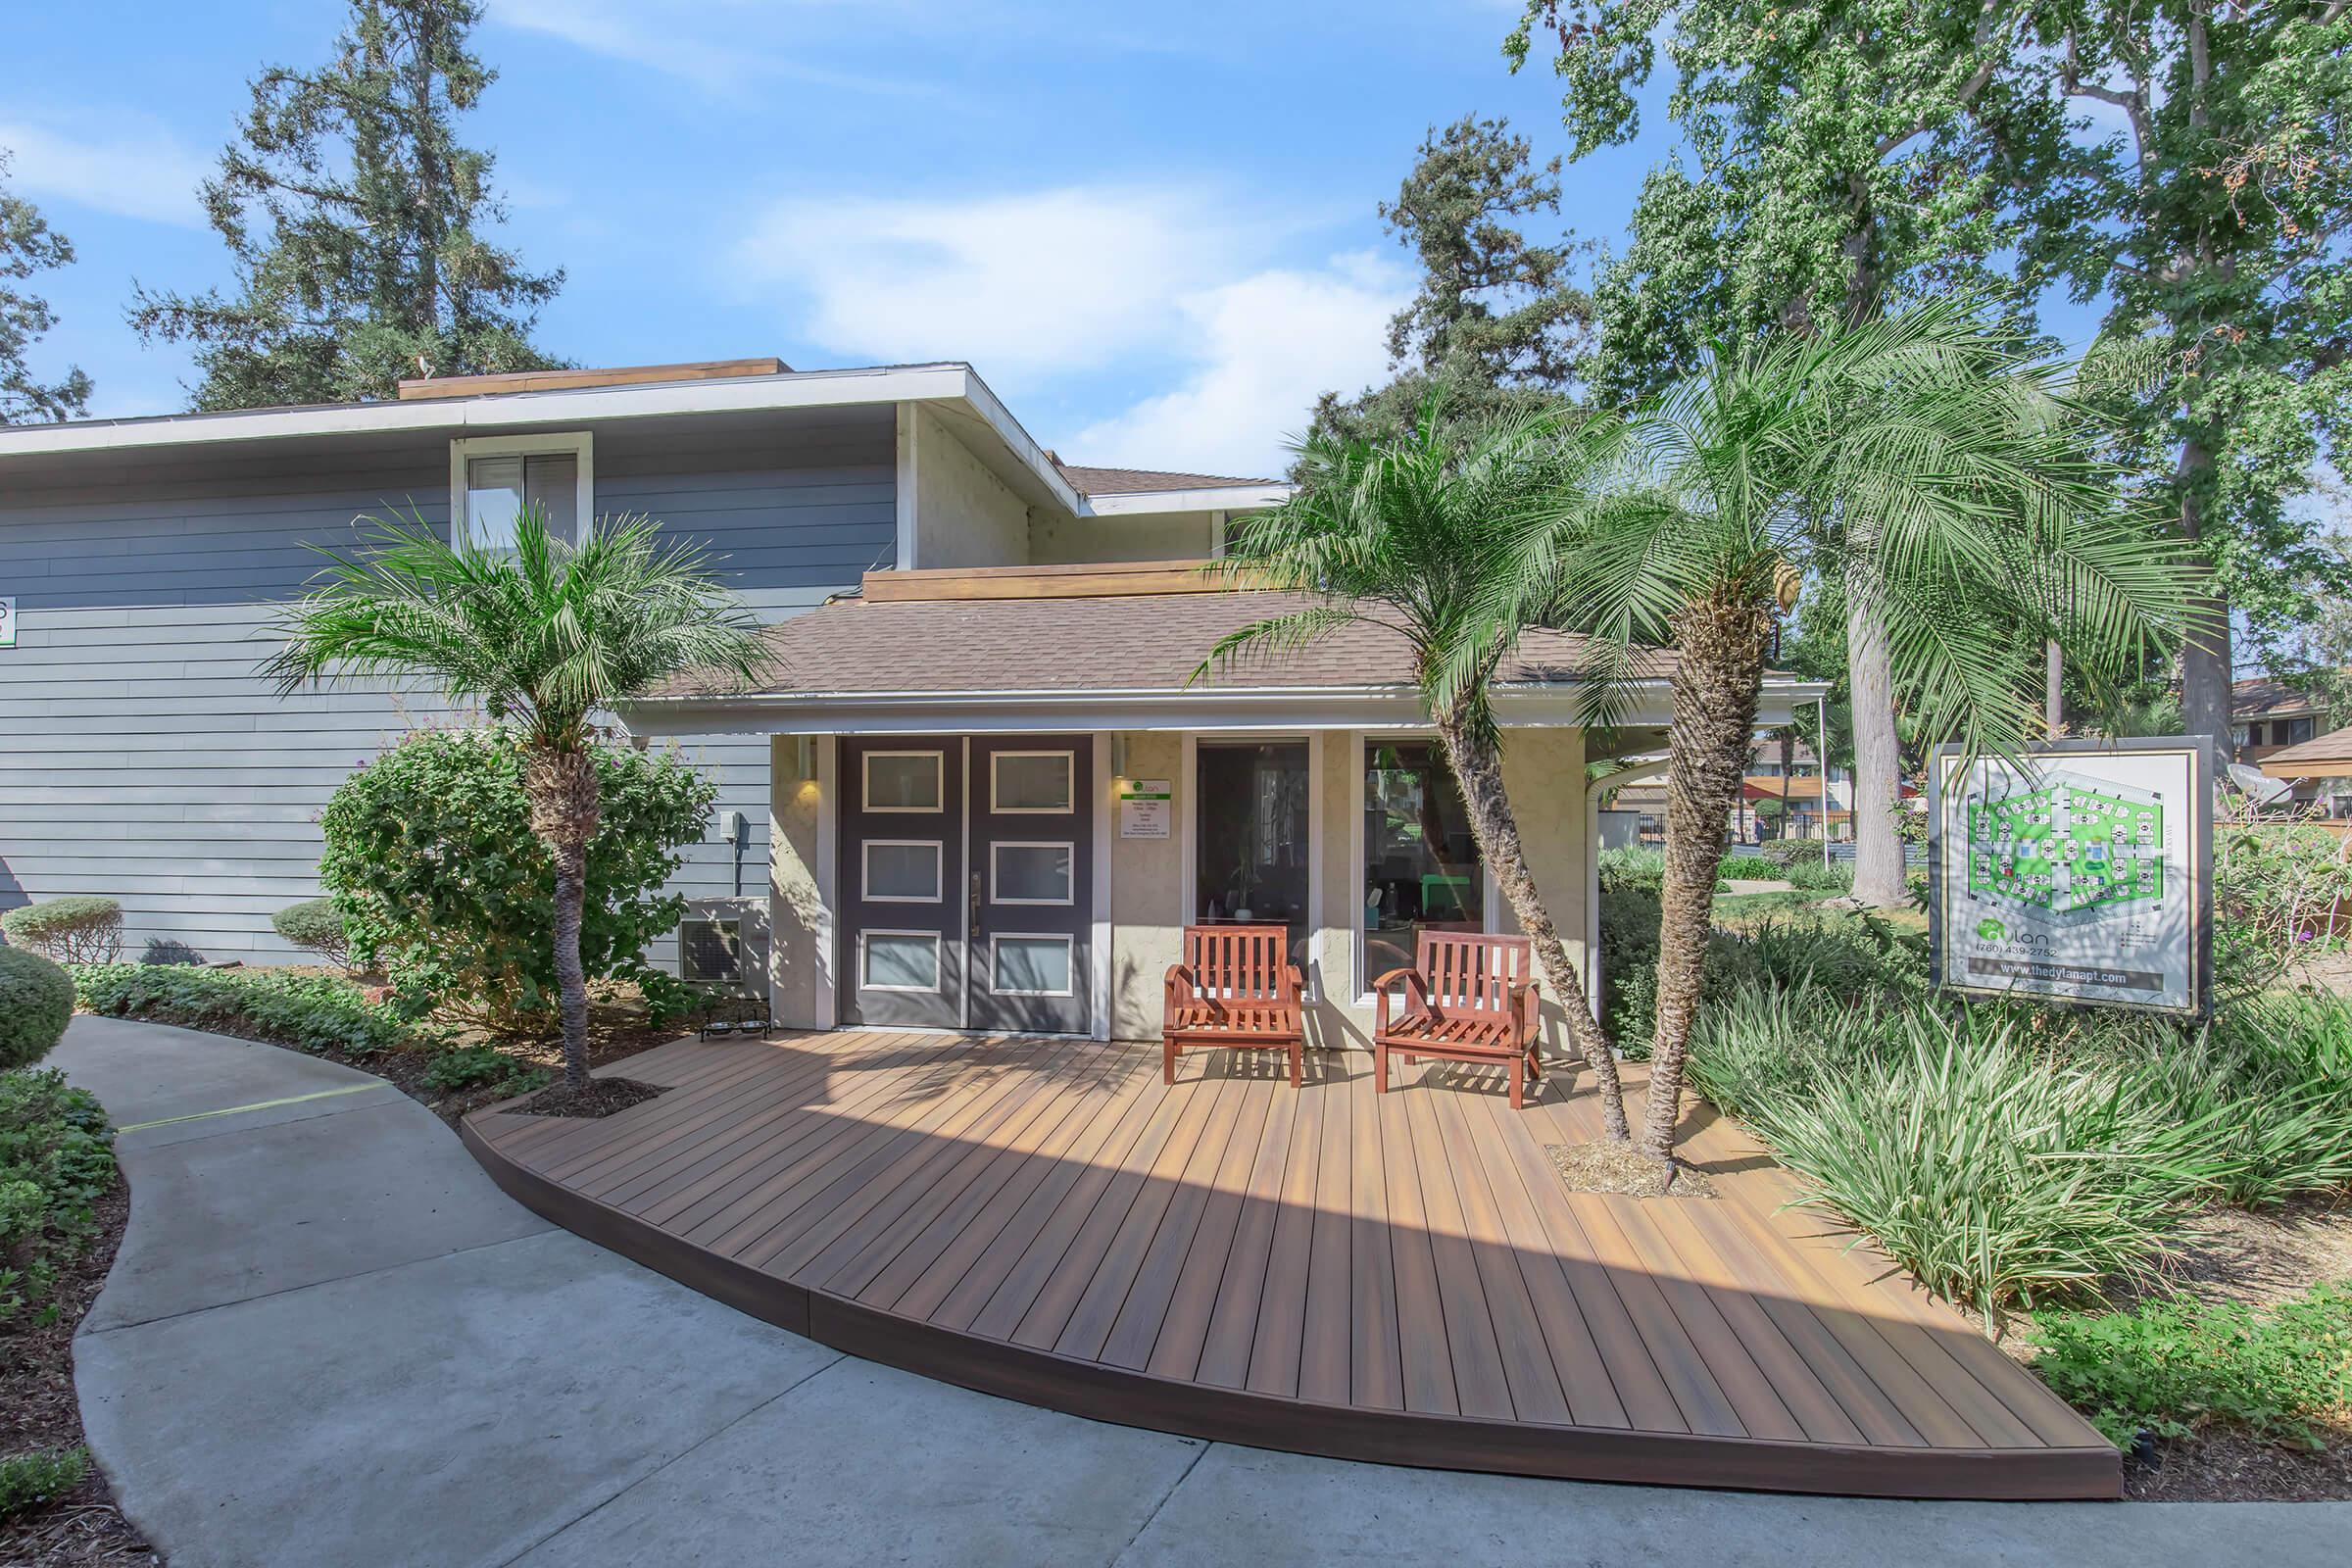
(142, 755)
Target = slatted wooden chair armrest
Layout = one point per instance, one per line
(1416, 997)
(1527, 1005)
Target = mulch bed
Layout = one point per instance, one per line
(38, 1411)
(598, 1097)
(1611, 1168)
(2232, 1467)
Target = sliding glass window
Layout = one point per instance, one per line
(1421, 869)
(1250, 837)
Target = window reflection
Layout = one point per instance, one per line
(1252, 836)
(1421, 863)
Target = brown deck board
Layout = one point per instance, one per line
(1399, 1277)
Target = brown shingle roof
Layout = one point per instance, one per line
(1144, 481)
(2262, 696)
(2328, 755)
(1135, 643)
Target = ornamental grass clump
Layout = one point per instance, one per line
(1998, 1174)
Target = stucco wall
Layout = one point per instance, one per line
(1543, 773)
(1147, 894)
(1055, 540)
(964, 515)
(800, 945)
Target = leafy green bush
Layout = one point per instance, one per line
(36, 1002)
(2172, 1366)
(310, 1013)
(30, 1479)
(1635, 869)
(431, 861)
(315, 926)
(75, 930)
(2277, 889)
(471, 1066)
(1783, 854)
(56, 1160)
(1996, 1173)
(1811, 876)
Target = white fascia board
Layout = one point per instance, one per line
(985, 403)
(1221, 498)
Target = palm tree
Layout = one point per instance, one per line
(541, 636)
(1921, 460)
(1408, 534)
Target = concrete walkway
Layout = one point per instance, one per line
(329, 1339)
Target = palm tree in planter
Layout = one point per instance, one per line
(542, 637)
(1922, 459)
(1415, 535)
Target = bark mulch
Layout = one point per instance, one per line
(39, 1413)
(598, 1097)
(1609, 1168)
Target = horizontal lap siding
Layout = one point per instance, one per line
(143, 756)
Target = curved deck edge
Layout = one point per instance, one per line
(1052, 1382)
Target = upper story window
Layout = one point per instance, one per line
(2297, 731)
(492, 478)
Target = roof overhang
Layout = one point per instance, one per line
(1263, 709)
(1217, 497)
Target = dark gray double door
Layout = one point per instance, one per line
(965, 883)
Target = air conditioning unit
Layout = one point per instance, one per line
(711, 951)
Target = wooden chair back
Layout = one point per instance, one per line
(1240, 963)
(1471, 975)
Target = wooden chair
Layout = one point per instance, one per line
(1467, 998)
(1236, 990)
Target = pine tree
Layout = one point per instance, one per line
(1497, 323)
(355, 221)
(28, 245)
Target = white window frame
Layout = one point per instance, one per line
(579, 444)
(1070, 780)
(1069, 945)
(938, 962)
(996, 869)
(939, 783)
(865, 870)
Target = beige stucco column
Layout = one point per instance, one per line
(800, 886)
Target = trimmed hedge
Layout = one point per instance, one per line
(72, 930)
(310, 1013)
(36, 1000)
(316, 926)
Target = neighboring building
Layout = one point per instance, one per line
(979, 786)
(2266, 715)
(1816, 807)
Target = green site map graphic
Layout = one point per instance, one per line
(2070, 849)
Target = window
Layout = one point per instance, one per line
(898, 960)
(1250, 835)
(902, 781)
(1421, 869)
(1029, 782)
(2298, 730)
(1030, 966)
(493, 478)
(902, 871)
(1030, 873)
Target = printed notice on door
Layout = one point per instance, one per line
(2078, 877)
(1144, 808)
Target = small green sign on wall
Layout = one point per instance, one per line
(7, 621)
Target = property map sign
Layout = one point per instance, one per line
(2080, 877)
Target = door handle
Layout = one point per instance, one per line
(975, 899)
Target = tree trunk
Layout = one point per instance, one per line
(1719, 673)
(1878, 751)
(2206, 659)
(2053, 687)
(563, 791)
(1477, 769)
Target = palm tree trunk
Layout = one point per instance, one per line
(563, 791)
(1718, 676)
(1478, 768)
(1878, 751)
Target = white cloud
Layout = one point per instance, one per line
(136, 169)
(715, 44)
(1050, 281)
(1264, 347)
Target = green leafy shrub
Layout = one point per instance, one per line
(1998, 1174)
(75, 930)
(1782, 855)
(2278, 890)
(431, 862)
(2172, 1366)
(310, 1013)
(56, 1160)
(27, 1480)
(36, 1002)
(315, 926)
(1811, 876)
(472, 1066)
(1633, 869)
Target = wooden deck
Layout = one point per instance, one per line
(1400, 1278)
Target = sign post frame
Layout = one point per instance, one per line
(2198, 754)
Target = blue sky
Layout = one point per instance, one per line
(1152, 229)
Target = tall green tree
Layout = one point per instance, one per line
(1499, 323)
(1925, 449)
(2212, 209)
(28, 245)
(1418, 534)
(359, 227)
(542, 636)
(1835, 161)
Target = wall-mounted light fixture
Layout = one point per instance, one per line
(1119, 755)
(804, 757)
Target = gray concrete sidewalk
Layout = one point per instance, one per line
(329, 1339)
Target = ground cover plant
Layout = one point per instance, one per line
(319, 1013)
